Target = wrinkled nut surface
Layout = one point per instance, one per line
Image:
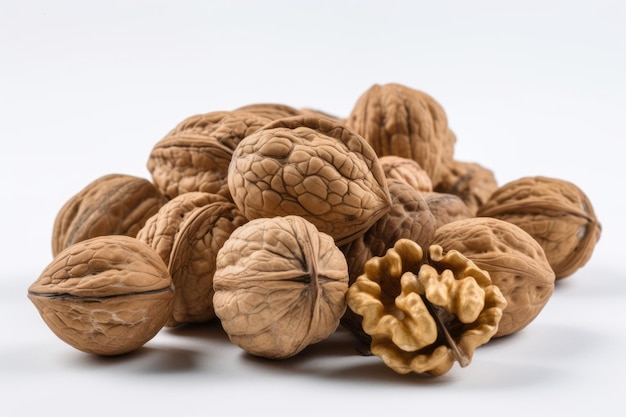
(107, 295)
(515, 261)
(194, 156)
(280, 286)
(271, 111)
(311, 167)
(556, 213)
(114, 204)
(407, 170)
(446, 207)
(183, 235)
(425, 314)
(470, 181)
(401, 121)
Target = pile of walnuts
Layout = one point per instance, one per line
(285, 224)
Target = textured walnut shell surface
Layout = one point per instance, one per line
(408, 218)
(160, 230)
(401, 121)
(446, 207)
(515, 261)
(106, 295)
(194, 156)
(280, 286)
(271, 111)
(114, 204)
(201, 234)
(470, 181)
(312, 167)
(407, 170)
(425, 314)
(557, 213)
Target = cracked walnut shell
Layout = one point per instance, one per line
(425, 314)
(557, 213)
(106, 295)
(313, 167)
(280, 286)
(516, 263)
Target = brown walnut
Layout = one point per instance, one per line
(186, 233)
(106, 295)
(555, 212)
(423, 313)
(280, 286)
(471, 182)
(446, 207)
(194, 156)
(401, 121)
(515, 261)
(114, 204)
(312, 167)
(407, 170)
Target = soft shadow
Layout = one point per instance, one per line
(209, 331)
(149, 359)
(593, 282)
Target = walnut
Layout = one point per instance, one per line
(280, 286)
(312, 167)
(271, 111)
(553, 211)
(194, 156)
(425, 314)
(114, 204)
(187, 233)
(407, 170)
(401, 121)
(515, 261)
(106, 295)
(470, 181)
(446, 207)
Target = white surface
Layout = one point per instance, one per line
(530, 88)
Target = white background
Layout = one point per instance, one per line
(530, 88)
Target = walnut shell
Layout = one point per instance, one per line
(407, 170)
(470, 181)
(312, 167)
(114, 204)
(186, 233)
(515, 261)
(271, 111)
(401, 121)
(106, 295)
(446, 207)
(555, 212)
(425, 314)
(194, 156)
(280, 286)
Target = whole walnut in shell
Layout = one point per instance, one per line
(470, 181)
(446, 207)
(555, 212)
(271, 111)
(114, 204)
(423, 313)
(407, 170)
(194, 156)
(280, 286)
(106, 295)
(187, 232)
(515, 261)
(401, 121)
(312, 167)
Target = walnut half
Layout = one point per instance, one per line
(425, 314)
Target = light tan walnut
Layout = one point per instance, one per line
(407, 170)
(515, 261)
(425, 314)
(106, 295)
(271, 111)
(398, 120)
(194, 156)
(114, 204)
(557, 213)
(470, 181)
(312, 167)
(280, 286)
(187, 233)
